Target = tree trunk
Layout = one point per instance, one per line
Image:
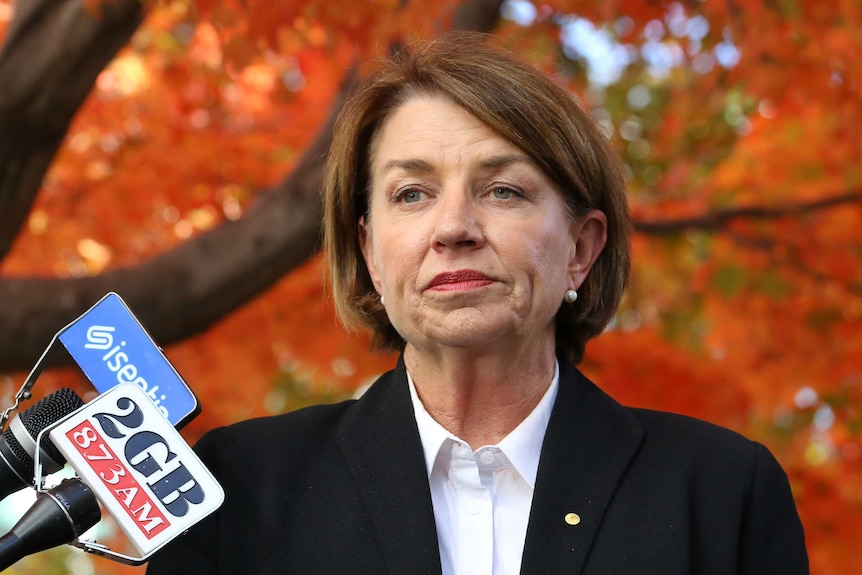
(53, 53)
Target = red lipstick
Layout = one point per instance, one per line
(459, 280)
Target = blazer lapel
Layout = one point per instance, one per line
(588, 445)
(381, 444)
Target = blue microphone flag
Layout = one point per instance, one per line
(111, 347)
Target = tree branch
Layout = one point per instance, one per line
(53, 52)
(718, 219)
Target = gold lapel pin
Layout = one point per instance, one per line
(573, 518)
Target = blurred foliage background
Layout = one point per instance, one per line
(140, 143)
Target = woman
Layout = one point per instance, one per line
(476, 221)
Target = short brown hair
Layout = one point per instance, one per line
(523, 105)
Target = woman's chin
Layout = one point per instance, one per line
(466, 329)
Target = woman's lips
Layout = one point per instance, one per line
(459, 280)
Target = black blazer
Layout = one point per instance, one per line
(343, 489)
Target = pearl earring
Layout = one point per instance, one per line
(571, 296)
(382, 301)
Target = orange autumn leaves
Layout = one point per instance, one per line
(754, 322)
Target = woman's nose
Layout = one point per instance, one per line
(457, 224)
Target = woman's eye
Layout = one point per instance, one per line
(409, 196)
(503, 193)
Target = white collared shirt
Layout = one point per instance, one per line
(482, 499)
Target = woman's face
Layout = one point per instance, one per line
(467, 239)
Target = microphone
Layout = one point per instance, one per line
(130, 459)
(59, 516)
(18, 443)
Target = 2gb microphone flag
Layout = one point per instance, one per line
(138, 466)
(111, 347)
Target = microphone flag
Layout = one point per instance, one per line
(112, 347)
(138, 466)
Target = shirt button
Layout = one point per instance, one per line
(486, 457)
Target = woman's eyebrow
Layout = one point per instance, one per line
(417, 165)
(413, 165)
(505, 160)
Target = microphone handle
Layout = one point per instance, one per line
(58, 516)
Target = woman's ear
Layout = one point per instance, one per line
(366, 244)
(589, 236)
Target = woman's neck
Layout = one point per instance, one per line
(479, 397)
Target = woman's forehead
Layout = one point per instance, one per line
(425, 130)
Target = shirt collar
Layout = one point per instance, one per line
(522, 446)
